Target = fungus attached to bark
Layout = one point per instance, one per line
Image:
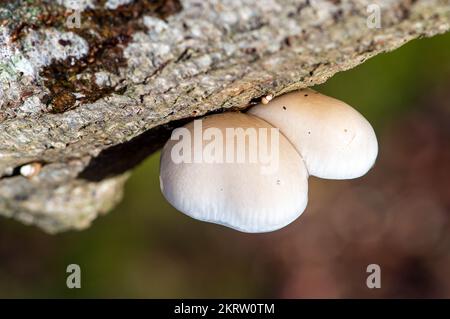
(266, 99)
(30, 170)
(249, 171)
(334, 140)
(236, 187)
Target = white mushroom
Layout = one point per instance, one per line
(238, 170)
(334, 140)
(250, 196)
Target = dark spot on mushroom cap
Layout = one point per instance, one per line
(284, 107)
(64, 42)
(306, 94)
(309, 132)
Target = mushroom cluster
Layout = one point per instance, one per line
(260, 182)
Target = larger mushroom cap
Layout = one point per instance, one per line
(242, 196)
(335, 141)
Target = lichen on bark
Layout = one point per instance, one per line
(90, 103)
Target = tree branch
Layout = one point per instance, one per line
(90, 103)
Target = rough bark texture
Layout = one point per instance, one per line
(90, 103)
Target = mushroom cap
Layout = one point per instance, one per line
(334, 140)
(237, 194)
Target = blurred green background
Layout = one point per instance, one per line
(145, 248)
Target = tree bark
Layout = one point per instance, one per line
(90, 102)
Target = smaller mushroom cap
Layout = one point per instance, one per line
(334, 140)
(240, 195)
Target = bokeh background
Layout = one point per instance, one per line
(397, 216)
